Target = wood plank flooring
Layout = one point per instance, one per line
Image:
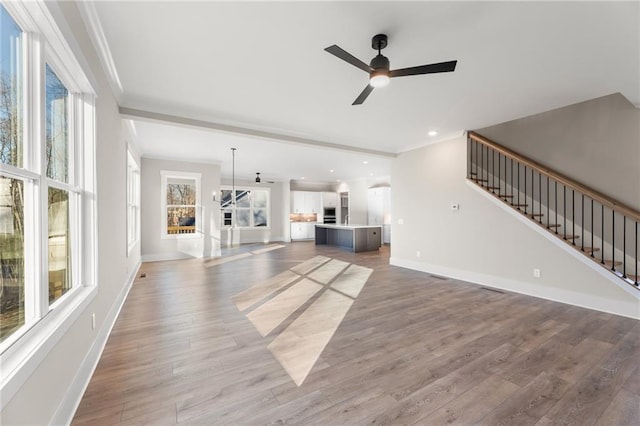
(412, 349)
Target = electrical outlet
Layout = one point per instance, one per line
(536, 273)
(93, 321)
(418, 253)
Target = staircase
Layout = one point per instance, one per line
(599, 227)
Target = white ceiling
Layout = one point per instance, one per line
(261, 66)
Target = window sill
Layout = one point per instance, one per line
(247, 228)
(181, 236)
(22, 358)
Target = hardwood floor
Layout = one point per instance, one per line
(411, 348)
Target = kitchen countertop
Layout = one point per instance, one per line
(335, 226)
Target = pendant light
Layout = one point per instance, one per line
(233, 187)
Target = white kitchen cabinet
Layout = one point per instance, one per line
(298, 231)
(297, 202)
(305, 202)
(379, 210)
(312, 202)
(303, 230)
(329, 199)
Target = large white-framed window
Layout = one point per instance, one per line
(133, 202)
(249, 208)
(47, 187)
(180, 204)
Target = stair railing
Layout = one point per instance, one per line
(565, 207)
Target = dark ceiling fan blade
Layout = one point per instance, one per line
(365, 93)
(348, 57)
(425, 69)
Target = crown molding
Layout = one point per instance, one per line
(99, 40)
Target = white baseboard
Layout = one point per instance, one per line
(159, 257)
(67, 408)
(548, 293)
(550, 236)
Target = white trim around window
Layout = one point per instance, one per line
(133, 202)
(166, 176)
(46, 323)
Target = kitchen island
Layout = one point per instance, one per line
(355, 238)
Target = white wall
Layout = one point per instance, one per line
(482, 242)
(50, 393)
(154, 247)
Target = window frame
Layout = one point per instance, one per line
(251, 207)
(45, 324)
(165, 176)
(133, 202)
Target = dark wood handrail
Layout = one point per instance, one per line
(568, 182)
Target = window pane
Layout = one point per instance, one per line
(181, 192)
(57, 152)
(11, 256)
(181, 220)
(242, 198)
(242, 217)
(259, 199)
(59, 247)
(260, 217)
(225, 198)
(10, 91)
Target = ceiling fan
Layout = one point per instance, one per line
(378, 69)
(259, 179)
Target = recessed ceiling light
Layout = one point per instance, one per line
(331, 171)
(433, 133)
(370, 174)
(302, 177)
(338, 180)
(365, 162)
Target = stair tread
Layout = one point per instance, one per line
(590, 249)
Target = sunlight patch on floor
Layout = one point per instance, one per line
(299, 346)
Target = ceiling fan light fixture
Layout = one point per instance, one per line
(379, 78)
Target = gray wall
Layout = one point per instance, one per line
(596, 142)
(52, 390)
(156, 248)
(301, 185)
(483, 242)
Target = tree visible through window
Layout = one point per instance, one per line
(181, 205)
(12, 232)
(46, 200)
